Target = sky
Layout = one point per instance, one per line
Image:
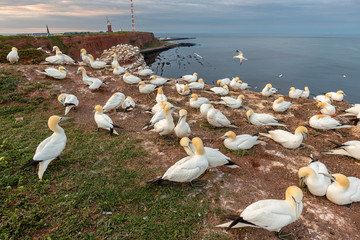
(183, 16)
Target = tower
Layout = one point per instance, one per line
(108, 24)
(132, 16)
(47, 30)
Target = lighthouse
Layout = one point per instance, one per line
(108, 24)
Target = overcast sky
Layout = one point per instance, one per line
(184, 16)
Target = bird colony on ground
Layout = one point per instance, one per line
(269, 214)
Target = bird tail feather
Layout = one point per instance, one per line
(30, 163)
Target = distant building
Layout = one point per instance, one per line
(108, 25)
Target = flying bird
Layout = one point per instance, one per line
(240, 56)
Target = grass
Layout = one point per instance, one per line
(96, 191)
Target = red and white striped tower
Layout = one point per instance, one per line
(132, 16)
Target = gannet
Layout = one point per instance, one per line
(197, 85)
(353, 111)
(94, 83)
(190, 78)
(344, 190)
(323, 98)
(182, 128)
(50, 148)
(244, 141)
(232, 102)
(160, 96)
(165, 126)
(144, 72)
(118, 70)
(311, 177)
(85, 57)
(128, 104)
(115, 62)
(223, 82)
(268, 90)
(96, 64)
(295, 93)
(235, 83)
(204, 108)
(57, 59)
(196, 101)
(325, 122)
(115, 101)
(305, 93)
(159, 115)
(189, 168)
(287, 139)
(349, 148)
(280, 105)
(157, 107)
(131, 79)
(214, 156)
(182, 89)
(337, 96)
(217, 119)
(243, 85)
(69, 101)
(59, 73)
(259, 119)
(326, 109)
(146, 88)
(67, 59)
(13, 56)
(158, 80)
(271, 214)
(240, 56)
(104, 121)
(222, 91)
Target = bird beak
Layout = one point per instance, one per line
(297, 206)
(78, 71)
(302, 182)
(173, 108)
(332, 178)
(181, 117)
(223, 137)
(305, 136)
(64, 118)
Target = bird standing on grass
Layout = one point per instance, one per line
(69, 101)
(104, 121)
(13, 56)
(50, 148)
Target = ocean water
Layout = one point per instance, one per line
(319, 62)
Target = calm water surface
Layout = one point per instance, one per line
(319, 62)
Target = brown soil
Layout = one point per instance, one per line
(265, 171)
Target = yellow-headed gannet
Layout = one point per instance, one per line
(271, 214)
(287, 139)
(324, 122)
(158, 80)
(214, 156)
(204, 108)
(182, 128)
(295, 93)
(244, 141)
(349, 148)
(85, 57)
(69, 101)
(59, 73)
(50, 148)
(104, 121)
(235, 83)
(337, 96)
(326, 109)
(159, 115)
(197, 85)
(131, 79)
(67, 59)
(222, 91)
(114, 101)
(323, 98)
(240, 56)
(190, 78)
(182, 89)
(96, 64)
(57, 59)
(165, 126)
(260, 119)
(344, 190)
(157, 107)
(115, 62)
(13, 56)
(118, 70)
(353, 111)
(268, 90)
(243, 85)
(312, 177)
(144, 72)
(232, 102)
(189, 168)
(223, 82)
(94, 83)
(280, 105)
(196, 101)
(305, 93)
(160, 96)
(218, 119)
(146, 88)
(128, 104)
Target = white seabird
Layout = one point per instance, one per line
(115, 101)
(287, 139)
(158, 80)
(240, 56)
(305, 93)
(144, 72)
(337, 96)
(128, 104)
(232, 102)
(165, 126)
(69, 101)
(182, 89)
(118, 70)
(268, 90)
(196, 101)
(295, 93)
(223, 82)
(218, 119)
(190, 78)
(182, 129)
(57, 59)
(96, 64)
(146, 88)
(349, 148)
(326, 109)
(222, 91)
(244, 141)
(104, 121)
(131, 79)
(324, 122)
(260, 119)
(94, 83)
(204, 108)
(59, 73)
(323, 98)
(159, 115)
(67, 59)
(199, 85)
(50, 148)
(235, 83)
(13, 56)
(115, 62)
(280, 105)
(85, 57)
(160, 96)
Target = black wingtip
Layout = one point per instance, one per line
(28, 164)
(157, 180)
(230, 163)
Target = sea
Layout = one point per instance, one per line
(323, 63)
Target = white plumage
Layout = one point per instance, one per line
(96, 64)
(104, 121)
(160, 96)
(159, 81)
(94, 83)
(144, 72)
(196, 101)
(59, 73)
(115, 62)
(114, 101)
(85, 57)
(325, 123)
(268, 90)
(182, 89)
(128, 104)
(165, 126)
(337, 96)
(305, 93)
(182, 129)
(232, 102)
(57, 59)
(69, 101)
(222, 91)
(260, 119)
(323, 98)
(295, 93)
(67, 59)
(240, 56)
(204, 108)
(159, 115)
(146, 88)
(218, 119)
(190, 78)
(223, 82)
(244, 141)
(13, 56)
(287, 139)
(349, 148)
(326, 109)
(131, 79)
(199, 85)
(118, 70)
(344, 190)
(280, 105)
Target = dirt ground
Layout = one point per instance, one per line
(265, 171)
